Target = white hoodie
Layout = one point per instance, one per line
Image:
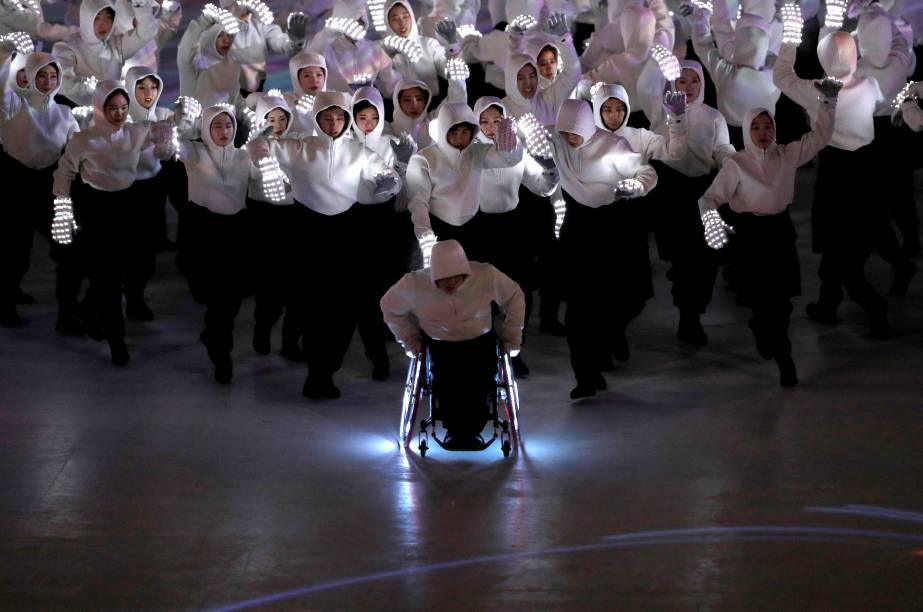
(149, 165)
(608, 40)
(762, 181)
(218, 176)
(444, 181)
(415, 303)
(252, 43)
(86, 55)
(417, 128)
(591, 172)
(329, 175)
(431, 64)
(264, 106)
(34, 128)
(499, 190)
(304, 122)
(545, 103)
(205, 74)
(855, 107)
(883, 56)
(105, 157)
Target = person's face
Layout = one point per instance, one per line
(223, 43)
(146, 91)
(613, 113)
(548, 63)
(400, 21)
(450, 284)
(490, 122)
(222, 130)
(332, 121)
(762, 131)
(527, 81)
(574, 140)
(22, 81)
(46, 79)
(367, 120)
(412, 102)
(116, 110)
(459, 137)
(102, 24)
(689, 83)
(278, 120)
(312, 79)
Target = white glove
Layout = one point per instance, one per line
(258, 8)
(557, 25)
(272, 179)
(386, 184)
(667, 62)
(457, 70)
(297, 27)
(359, 81)
(86, 85)
(448, 31)
(628, 188)
(716, 230)
(212, 14)
(406, 47)
(404, 148)
(521, 24)
(63, 226)
(506, 136)
(674, 102)
(792, 23)
(166, 139)
(17, 42)
(836, 11)
(560, 207)
(350, 28)
(427, 240)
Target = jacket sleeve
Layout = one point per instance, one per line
(397, 306)
(511, 300)
(67, 59)
(603, 43)
(539, 181)
(420, 190)
(145, 30)
(722, 29)
(802, 151)
(373, 165)
(722, 146)
(567, 80)
(185, 58)
(492, 157)
(68, 168)
(664, 148)
(800, 91)
(722, 188)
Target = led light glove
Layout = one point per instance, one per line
(792, 23)
(358, 82)
(716, 230)
(258, 8)
(17, 42)
(166, 139)
(297, 27)
(272, 179)
(467, 30)
(667, 62)
(521, 24)
(457, 70)
(560, 207)
(506, 136)
(386, 184)
(836, 10)
(63, 226)
(170, 6)
(229, 23)
(22, 6)
(674, 102)
(829, 88)
(557, 25)
(628, 188)
(350, 28)
(82, 112)
(538, 140)
(448, 31)
(305, 104)
(377, 11)
(406, 47)
(86, 85)
(426, 241)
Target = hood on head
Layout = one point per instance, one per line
(535, 47)
(414, 33)
(16, 64)
(447, 259)
(485, 102)
(602, 94)
(103, 90)
(209, 40)
(450, 115)
(751, 43)
(209, 115)
(132, 76)
(404, 85)
(303, 60)
(638, 25)
(874, 34)
(576, 117)
(749, 116)
(35, 62)
(330, 99)
(373, 97)
(513, 65)
(89, 9)
(837, 54)
(694, 65)
(267, 103)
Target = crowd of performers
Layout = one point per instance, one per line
(551, 147)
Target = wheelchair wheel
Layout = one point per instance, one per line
(506, 448)
(412, 392)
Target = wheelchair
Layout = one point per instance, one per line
(503, 408)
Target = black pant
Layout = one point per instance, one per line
(508, 246)
(464, 375)
(148, 198)
(470, 235)
(276, 263)
(607, 279)
(218, 263)
(539, 218)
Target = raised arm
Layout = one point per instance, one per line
(804, 150)
(801, 91)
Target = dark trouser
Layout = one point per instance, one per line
(847, 218)
(29, 207)
(680, 239)
(469, 235)
(406, 245)
(736, 136)
(111, 223)
(148, 198)
(607, 279)
(507, 245)
(276, 268)
(218, 263)
(539, 216)
(464, 375)
(896, 167)
(770, 275)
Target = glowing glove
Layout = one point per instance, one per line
(23, 6)
(404, 148)
(386, 184)
(448, 31)
(792, 23)
(170, 6)
(63, 226)
(667, 62)
(229, 23)
(359, 81)
(305, 104)
(674, 102)
(560, 207)
(628, 188)
(258, 8)
(836, 10)
(466, 30)
(457, 70)
(272, 179)
(86, 85)
(716, 230)
(17, 42)
(165, 136)
(427, 240)
(80, 113)
(297, 27)
(521, 24)
(506, 136)
(377, 11)
(350, 28)
(538, 140)
(406, 47)
(557, 25)
(829, 87)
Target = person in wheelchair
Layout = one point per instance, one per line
(448, 308)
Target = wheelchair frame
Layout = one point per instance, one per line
(418, 388)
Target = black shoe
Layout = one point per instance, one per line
(620, 347)
(292, 353)
(763, 346)
(119, 352)
(224, 369)
(788, 377)
(69, 325)
(819, 314)
(581, 391)
(138, 310)
(381, 370)
(690, 331)
(553, 328)
(261, 341)
(9, 317)
(316, 389)
(22, 298)
(880, 327)
(901, 282)
(520, 369)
